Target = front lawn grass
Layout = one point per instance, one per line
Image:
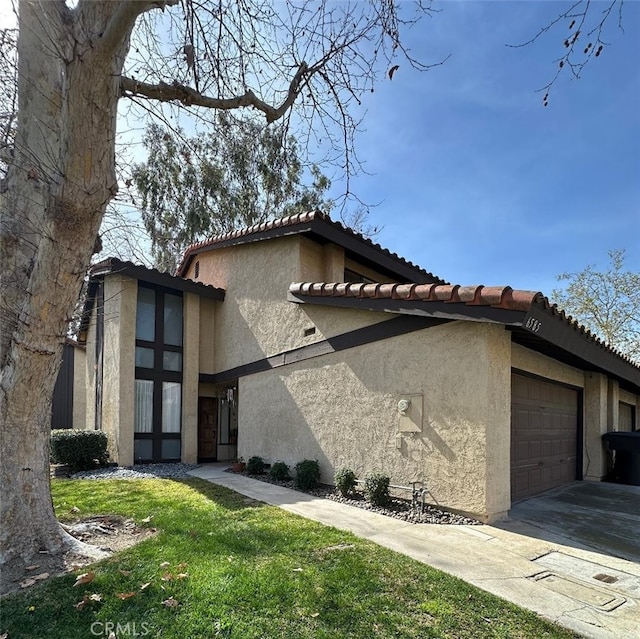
(251, 571)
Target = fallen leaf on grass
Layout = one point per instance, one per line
(126, 573)
(182, 575)
(74, 509)
(125, 595)
(167, 577)
(165, 564)
(86, 599)
(146, 520)
(145, 586)
(170, 603)
(85, 578)
(42, 576)
(315, 614)
(181, 566)
(297, 570)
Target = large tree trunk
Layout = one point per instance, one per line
(59, 183)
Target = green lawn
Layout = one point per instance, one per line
(251, 571)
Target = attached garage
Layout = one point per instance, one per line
(544, 435)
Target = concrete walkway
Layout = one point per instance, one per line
(589, 592)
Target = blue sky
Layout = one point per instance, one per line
(478, 182)
(481, 184)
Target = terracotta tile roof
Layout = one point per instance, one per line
(289, 224)
(497, 297)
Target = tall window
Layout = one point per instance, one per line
(158, 386)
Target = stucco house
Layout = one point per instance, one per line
(299, 338)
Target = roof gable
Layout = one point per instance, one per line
(321, 228)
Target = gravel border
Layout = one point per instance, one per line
(397, 508)
(141, 471)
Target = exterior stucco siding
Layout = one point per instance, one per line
(527, 360)
(79, 390)
(120, 297)
(256, 320)
(342, 409)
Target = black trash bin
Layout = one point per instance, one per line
(627, 462)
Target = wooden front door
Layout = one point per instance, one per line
(207, 428)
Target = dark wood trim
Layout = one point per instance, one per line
(99, 355)
(359, 337)
(580, 437)
(443, 310)
(156, 278)
(372, 255)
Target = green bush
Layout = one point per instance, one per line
(279, 471)
(255, 466)
(345, 480)
(307, 474)
(376, 488)
(79, 449)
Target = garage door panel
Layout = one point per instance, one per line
(544, 425)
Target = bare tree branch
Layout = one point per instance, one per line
(187, 96)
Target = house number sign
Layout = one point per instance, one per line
(533, 324)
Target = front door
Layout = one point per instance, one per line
(207, 428)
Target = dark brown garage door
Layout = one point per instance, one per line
(544, 427)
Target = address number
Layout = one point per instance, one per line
(533, 325)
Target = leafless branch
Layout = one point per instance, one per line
(582, 28)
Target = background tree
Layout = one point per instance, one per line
(236, 175)
(606, 302)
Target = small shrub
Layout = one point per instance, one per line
(255, 466)
(376, 489)
(307, 474)
(345, 480)
(279, 471)
(79, 449)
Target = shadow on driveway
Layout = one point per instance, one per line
(585, 514)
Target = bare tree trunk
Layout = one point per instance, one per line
(59, 183)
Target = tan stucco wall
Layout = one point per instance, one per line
(595, 425)
(90, 372)
(80, 389)
(120, 298)
(190, 379)
(342, 410)
(206, 332)
(532, 362)
(256, 320)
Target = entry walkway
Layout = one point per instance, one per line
(589, 592)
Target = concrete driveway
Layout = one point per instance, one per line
(594, 515)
